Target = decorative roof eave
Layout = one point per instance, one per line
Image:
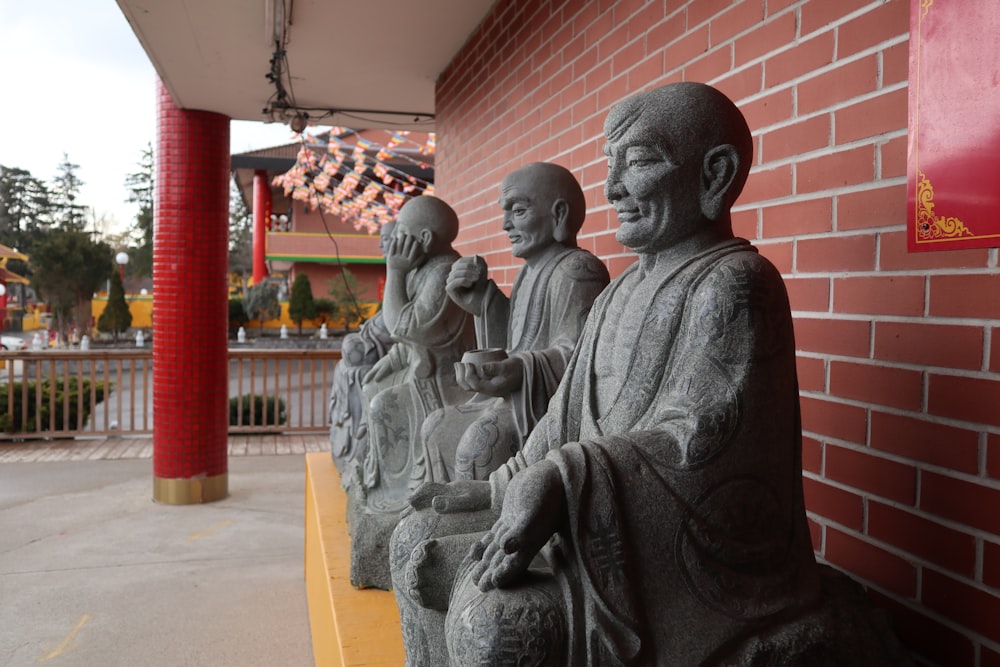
(8, 276)
(11, 253)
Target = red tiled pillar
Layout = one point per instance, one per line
(261, 214)
(191, 386)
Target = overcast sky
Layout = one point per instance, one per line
(76, 81)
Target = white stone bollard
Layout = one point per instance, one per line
(241, 335)
(140, 340)
(85, 342)
(322, 331)
(284, 331)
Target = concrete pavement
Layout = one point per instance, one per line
(93, 572)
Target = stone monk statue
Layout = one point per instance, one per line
(655, 515)
(538, 327)
(415, 378)
(359, 352)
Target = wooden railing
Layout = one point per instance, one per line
(101, 392)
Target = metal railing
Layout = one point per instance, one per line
(101, 392)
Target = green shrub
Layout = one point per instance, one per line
(50, 403)
(116, 318)
(261, 303)
(301, 304)
(324, 309)
(237, 315)
(263, 410)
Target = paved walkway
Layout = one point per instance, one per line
(94, 449)
(93, 572)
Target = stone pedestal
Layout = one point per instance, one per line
(370, 534)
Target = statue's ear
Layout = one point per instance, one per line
(426, 237)
(719, 169)
(560, 213)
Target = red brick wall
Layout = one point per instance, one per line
(899, 354)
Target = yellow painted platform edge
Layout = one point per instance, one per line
(350, 627)
(320, 605)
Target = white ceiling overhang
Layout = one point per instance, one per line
(375, 62)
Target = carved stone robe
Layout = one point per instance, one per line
(348, 428)
(539, 326)
(676, 433)
(431, 334)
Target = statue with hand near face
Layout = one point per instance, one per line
(415, 378)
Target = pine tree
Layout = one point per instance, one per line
(261, 303)
(117, 317)
(26, 210)
(15, 207)
(345, 292)
(301, 305)
(68, 268)
(140, 185)
(240, 233)
(70, 215)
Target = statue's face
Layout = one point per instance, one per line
(416, 224)
(385, 235)
(528, 217)
(653, 183)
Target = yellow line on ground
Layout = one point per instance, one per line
(210, 531)
(64, 644)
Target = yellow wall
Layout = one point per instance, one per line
(141, 307)
(368, 309)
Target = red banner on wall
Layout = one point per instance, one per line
(953, 182)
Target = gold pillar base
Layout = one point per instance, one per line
(190, 491)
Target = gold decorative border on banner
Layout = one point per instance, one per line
(931, 227)
(928, 226)
(190, 491)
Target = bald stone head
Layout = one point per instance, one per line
(430, 220)
(543, 205)
(678, 157)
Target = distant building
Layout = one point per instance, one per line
(293, 234)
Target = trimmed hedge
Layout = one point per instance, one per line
(50, 403)
(263, 411)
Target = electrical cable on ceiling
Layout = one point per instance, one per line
(283, 100)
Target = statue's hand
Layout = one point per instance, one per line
(498, 378)
(533, 509)
(466, 283)
(458, 496)
(404, 253)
